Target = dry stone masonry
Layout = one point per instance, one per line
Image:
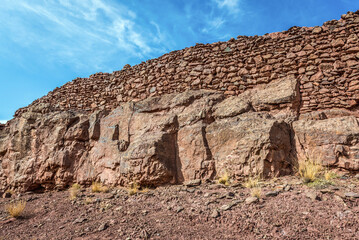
(252, 105)
(323, 59)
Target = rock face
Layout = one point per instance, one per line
(247, 106)
(334, 142)
(160, 140)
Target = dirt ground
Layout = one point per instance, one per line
(286, 209)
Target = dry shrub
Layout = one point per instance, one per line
(133, 188)
(309, 170)
(329, 175)
(256, 192)
(252, 182)
(16, 209)
(98, 187)
(74, 190)
(224, 179)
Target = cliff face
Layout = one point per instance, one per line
(246, 106)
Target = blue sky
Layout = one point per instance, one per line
(46, 43)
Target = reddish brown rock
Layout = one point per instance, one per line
(190, 113)
(333, 142)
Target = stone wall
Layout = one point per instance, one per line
(324, 60)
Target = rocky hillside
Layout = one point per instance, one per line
(255, 105)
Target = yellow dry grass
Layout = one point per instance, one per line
(98, 187)
(133, 188)
(256, 192)
(252, 182)
(16, 209)
(224, 179)
(74, 190)
(309, 170)
(329, 175)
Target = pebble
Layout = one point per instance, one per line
(190, 190)
(271, 194)
(325, 190)
(102, 227)
(226, 207)
(119, 208)
(215, 213)
(312, 195)
(352, 195)
(250, 200)
(230, 194)
(193, 183)
(79, 220)
(6, 195)
(179, 209)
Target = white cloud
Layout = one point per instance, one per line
(3, 121)
(231, 5)
(74, 31)
(214, 24)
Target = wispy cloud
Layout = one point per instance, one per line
(69, 31)
(214, 24)
(231, 6)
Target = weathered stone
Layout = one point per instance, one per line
(250, 143)
(250, 200)
(333, 142)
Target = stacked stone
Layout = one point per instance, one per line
(323, 59)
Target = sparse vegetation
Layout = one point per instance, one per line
(252, 182)
(98, 187)
(134, 188)
(309, 170)
(329, 175)
(224, 179)
(256, 192)
(74, 190)
(145, 190)
(16, 209)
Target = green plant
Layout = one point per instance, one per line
(16, 209)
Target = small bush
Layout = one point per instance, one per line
(74, 190)
(329, 175)
(134, 188)
(98, 187)
(256, 192)
(224, 179)
(16, 209)
(309, 170)
(252, 182)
